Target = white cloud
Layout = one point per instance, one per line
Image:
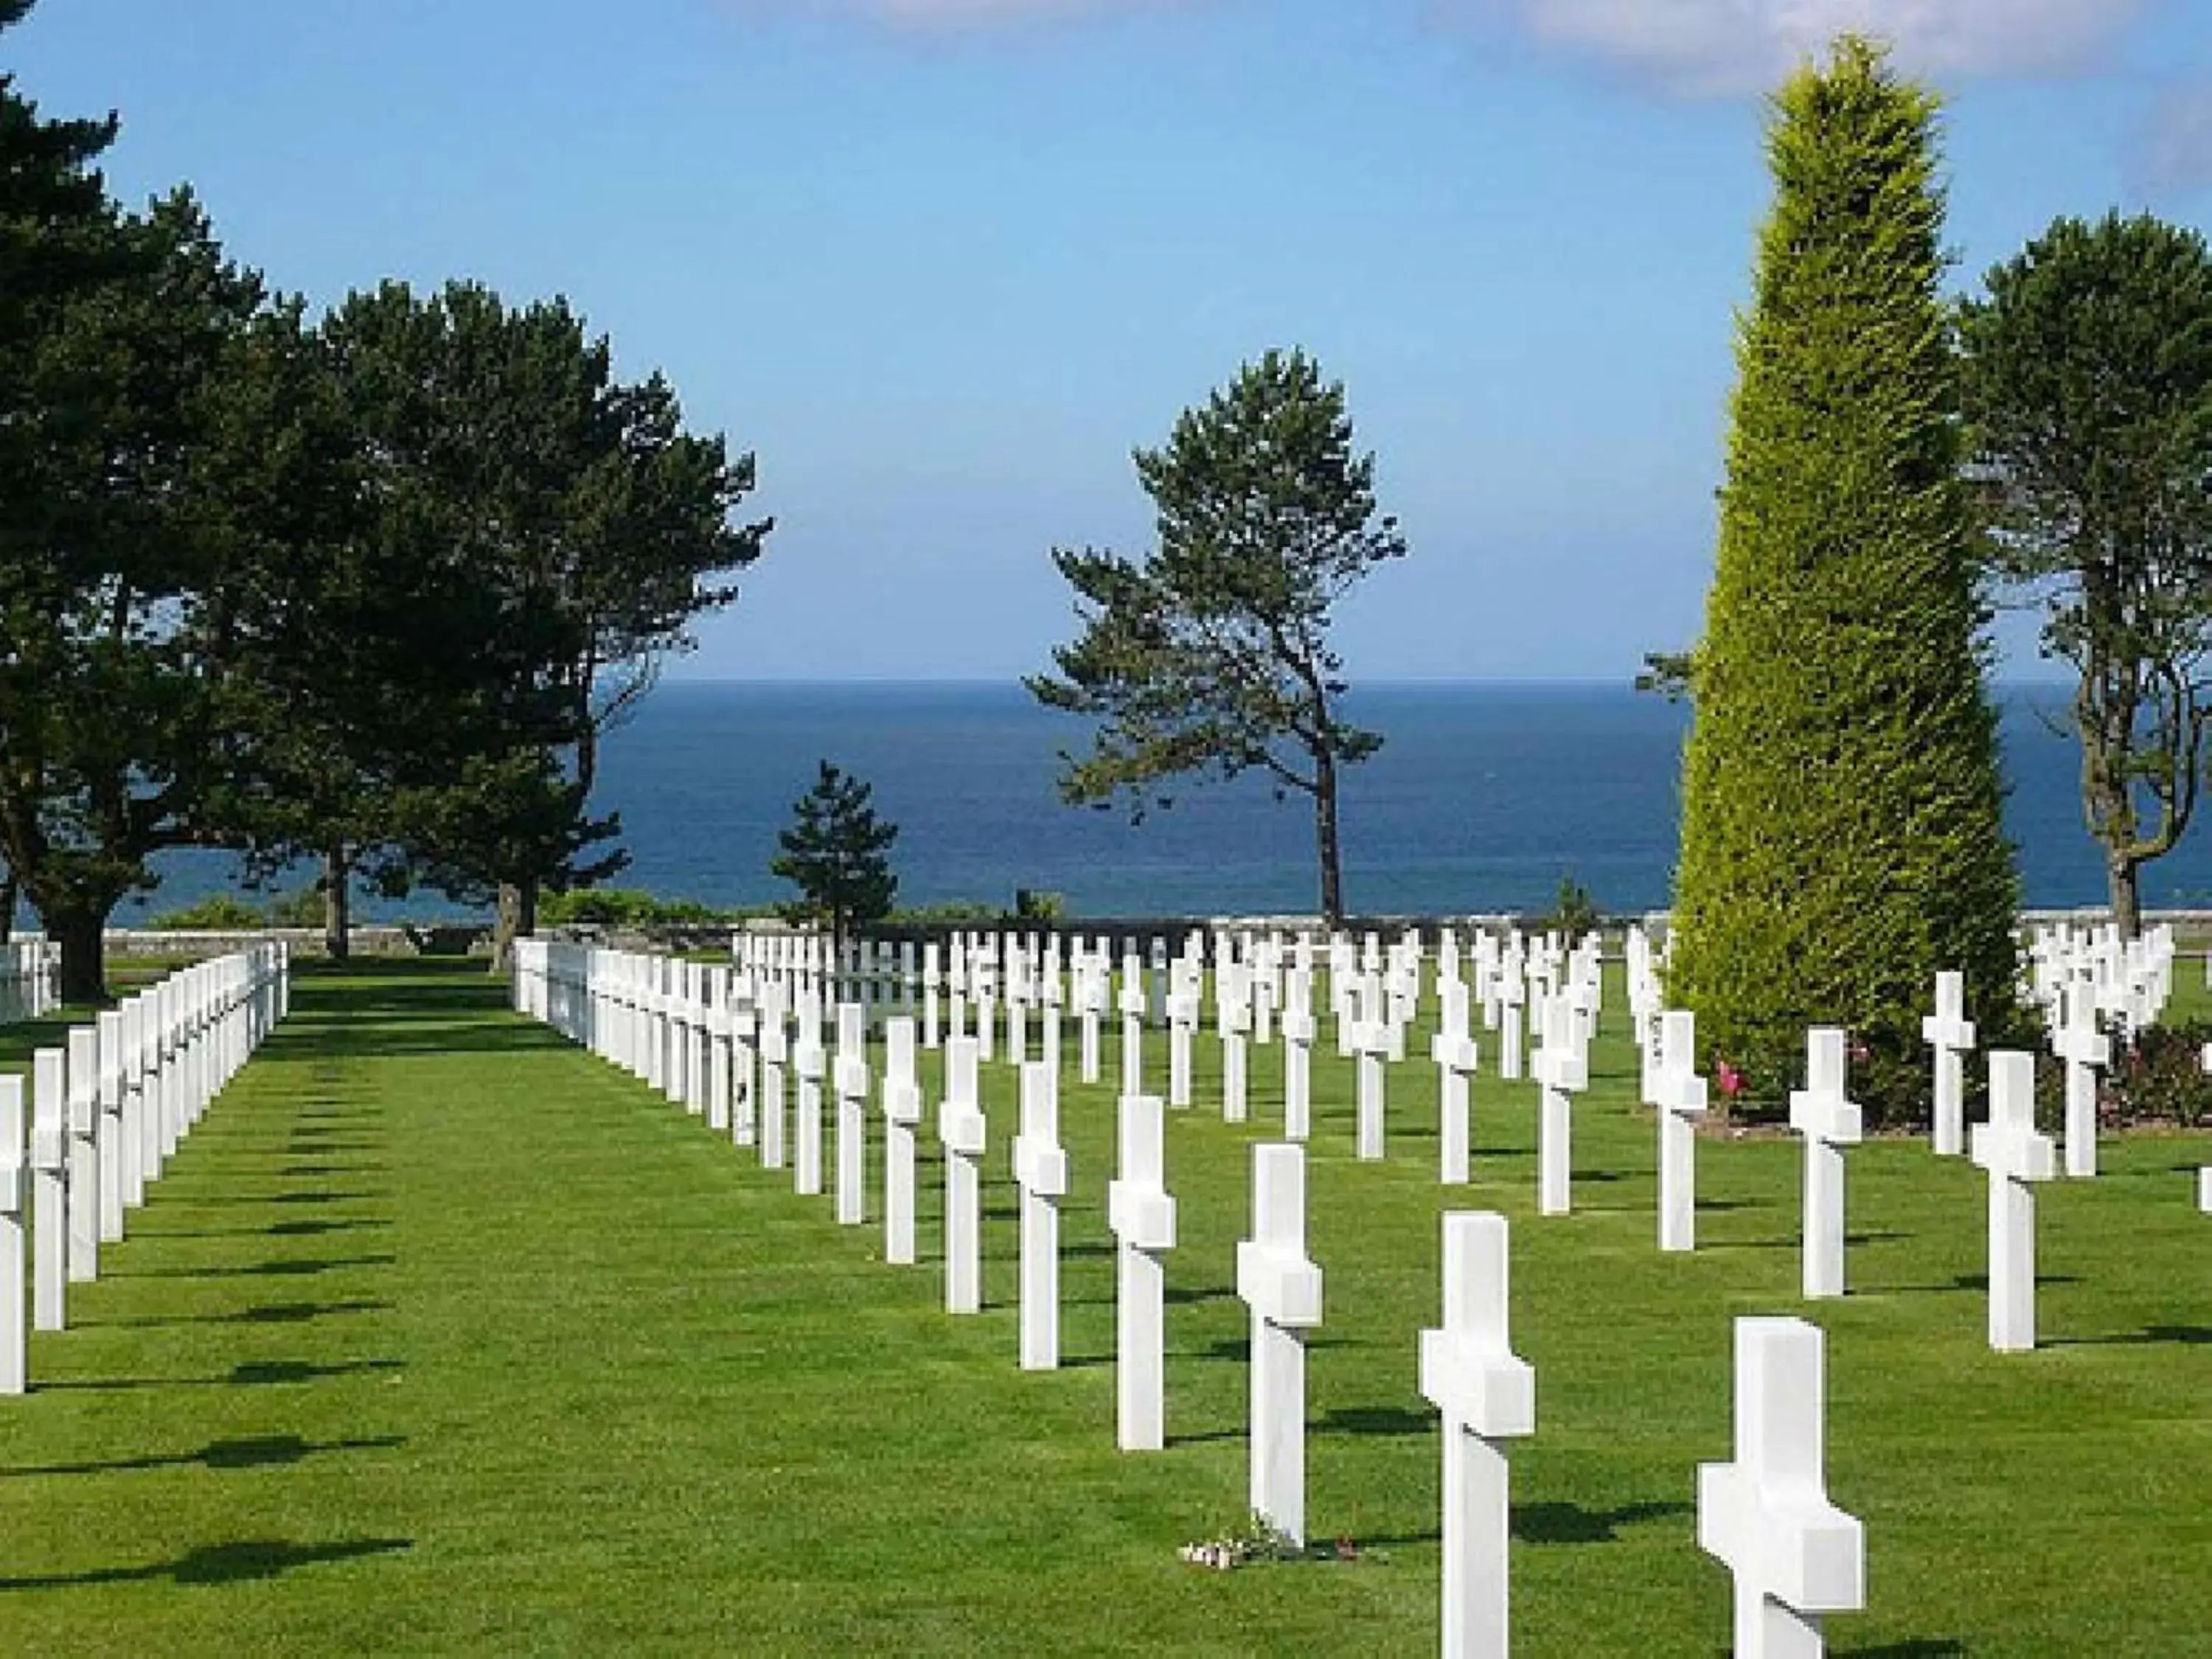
(1723, 48)
(2175, 153)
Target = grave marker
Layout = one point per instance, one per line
(2085, 1049)
(961, 1129)
(1766, 1515)
(1453, 1050)
(1487, 1395)
(851, 1079)
(1680, 1095)
(49, 1190)
(902, 1112)
(1829, 1123)
(14, 1191)
(1143, 1218)
(1563, 1070)
(2015, 1153)
(1951, 1034)
(1280, 1283)
(1041, 1172)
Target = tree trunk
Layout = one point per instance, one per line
(79, 931)
(517, 919)
(10, 892)
(1332, 873)
(2125, 875)
(337, 903)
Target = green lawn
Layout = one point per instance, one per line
(441, 1336)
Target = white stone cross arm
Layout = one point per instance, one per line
(1275, 1278)
(2009, 1145)
(1468, 1370)
(1138, 1207)
(1040, 1163)
(1820, 1110)
(1948, 1026)
(1766, 1515)
(1562, 1063)
(961, 1126)
(1679, 1088)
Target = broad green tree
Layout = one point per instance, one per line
(114, 570)
(1211, 656)
(1842, 831)
(2088, 380)
(836, 853)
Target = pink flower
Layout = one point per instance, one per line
(1729, 1079)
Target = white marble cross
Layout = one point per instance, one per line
(83, 1153)
(902, 1113)
(1298, 1035)
(1829, 1123)
(1487, 1395)
(2015, 1153)
(774, 1050)
(1796, 1557)
(850, 1075)
(115, 1145)
(1041, 1172)
(1233, 1014)
(961, 1129)
(2204, 1173)
(1563, 1069)
(1951, 1034)
(1143, 1218)
(932, 980)
(50, 1188)
(1182, 1023)
(1453, 1050)
(1280, 1283)
(1090, 988)
(2085, 1049)
(1132, 1005)
(812, 1063)
(1512, 991)
(1679, 1094)
(15, 1191)
(1371, 1040)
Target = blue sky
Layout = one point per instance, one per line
(940, 263)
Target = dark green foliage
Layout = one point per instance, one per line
(2159, 1078)
(626, 907)
(1211, 656)
(218, 912)
(834, 854)
(2088, 383)
(115, 568)
(1842, 838)
(1574, 913)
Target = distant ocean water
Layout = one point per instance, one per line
(1484, 796)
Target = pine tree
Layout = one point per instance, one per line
(1842, 830)
(834, 853)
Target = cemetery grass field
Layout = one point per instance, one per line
(441, 1336)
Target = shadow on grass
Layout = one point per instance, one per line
(1375, 1420)
(274, 1313)
(303, 1267)
(281, 1198)
(250, 1373)
(222, 1564)
(249, 1452)
(1964, 1282)
(1793, 1242)
(2190, 1336)
(1576, 1523)
(307, 1229)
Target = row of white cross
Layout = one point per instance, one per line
(1795, 1556)
(30, 979)
(107, 1110)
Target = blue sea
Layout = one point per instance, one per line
(1483, 798)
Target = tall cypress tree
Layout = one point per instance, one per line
(1842, 831)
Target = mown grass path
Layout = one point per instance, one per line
(439, 1336)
